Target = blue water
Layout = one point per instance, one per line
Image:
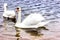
(48, 8)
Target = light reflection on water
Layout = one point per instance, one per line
(11, 30)
(28, 34)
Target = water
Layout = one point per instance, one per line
(30, 7)
(52, 34)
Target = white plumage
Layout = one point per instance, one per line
(8, 13)
(31, 21)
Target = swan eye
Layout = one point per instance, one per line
(17, 8)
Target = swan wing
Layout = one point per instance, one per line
(9, 14)
(33, 19)
(42, 23)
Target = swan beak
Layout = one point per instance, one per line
(18, 9)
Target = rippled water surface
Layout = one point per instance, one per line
(48, 8)
(53, 32)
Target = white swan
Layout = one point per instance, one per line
(31, 21)
(8, 13)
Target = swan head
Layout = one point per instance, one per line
(18, 9)
(5, 4)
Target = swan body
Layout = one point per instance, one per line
(31, 21)
(8, 13)
(22, 25)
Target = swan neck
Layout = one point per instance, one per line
(5, 8)
(19, 17)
